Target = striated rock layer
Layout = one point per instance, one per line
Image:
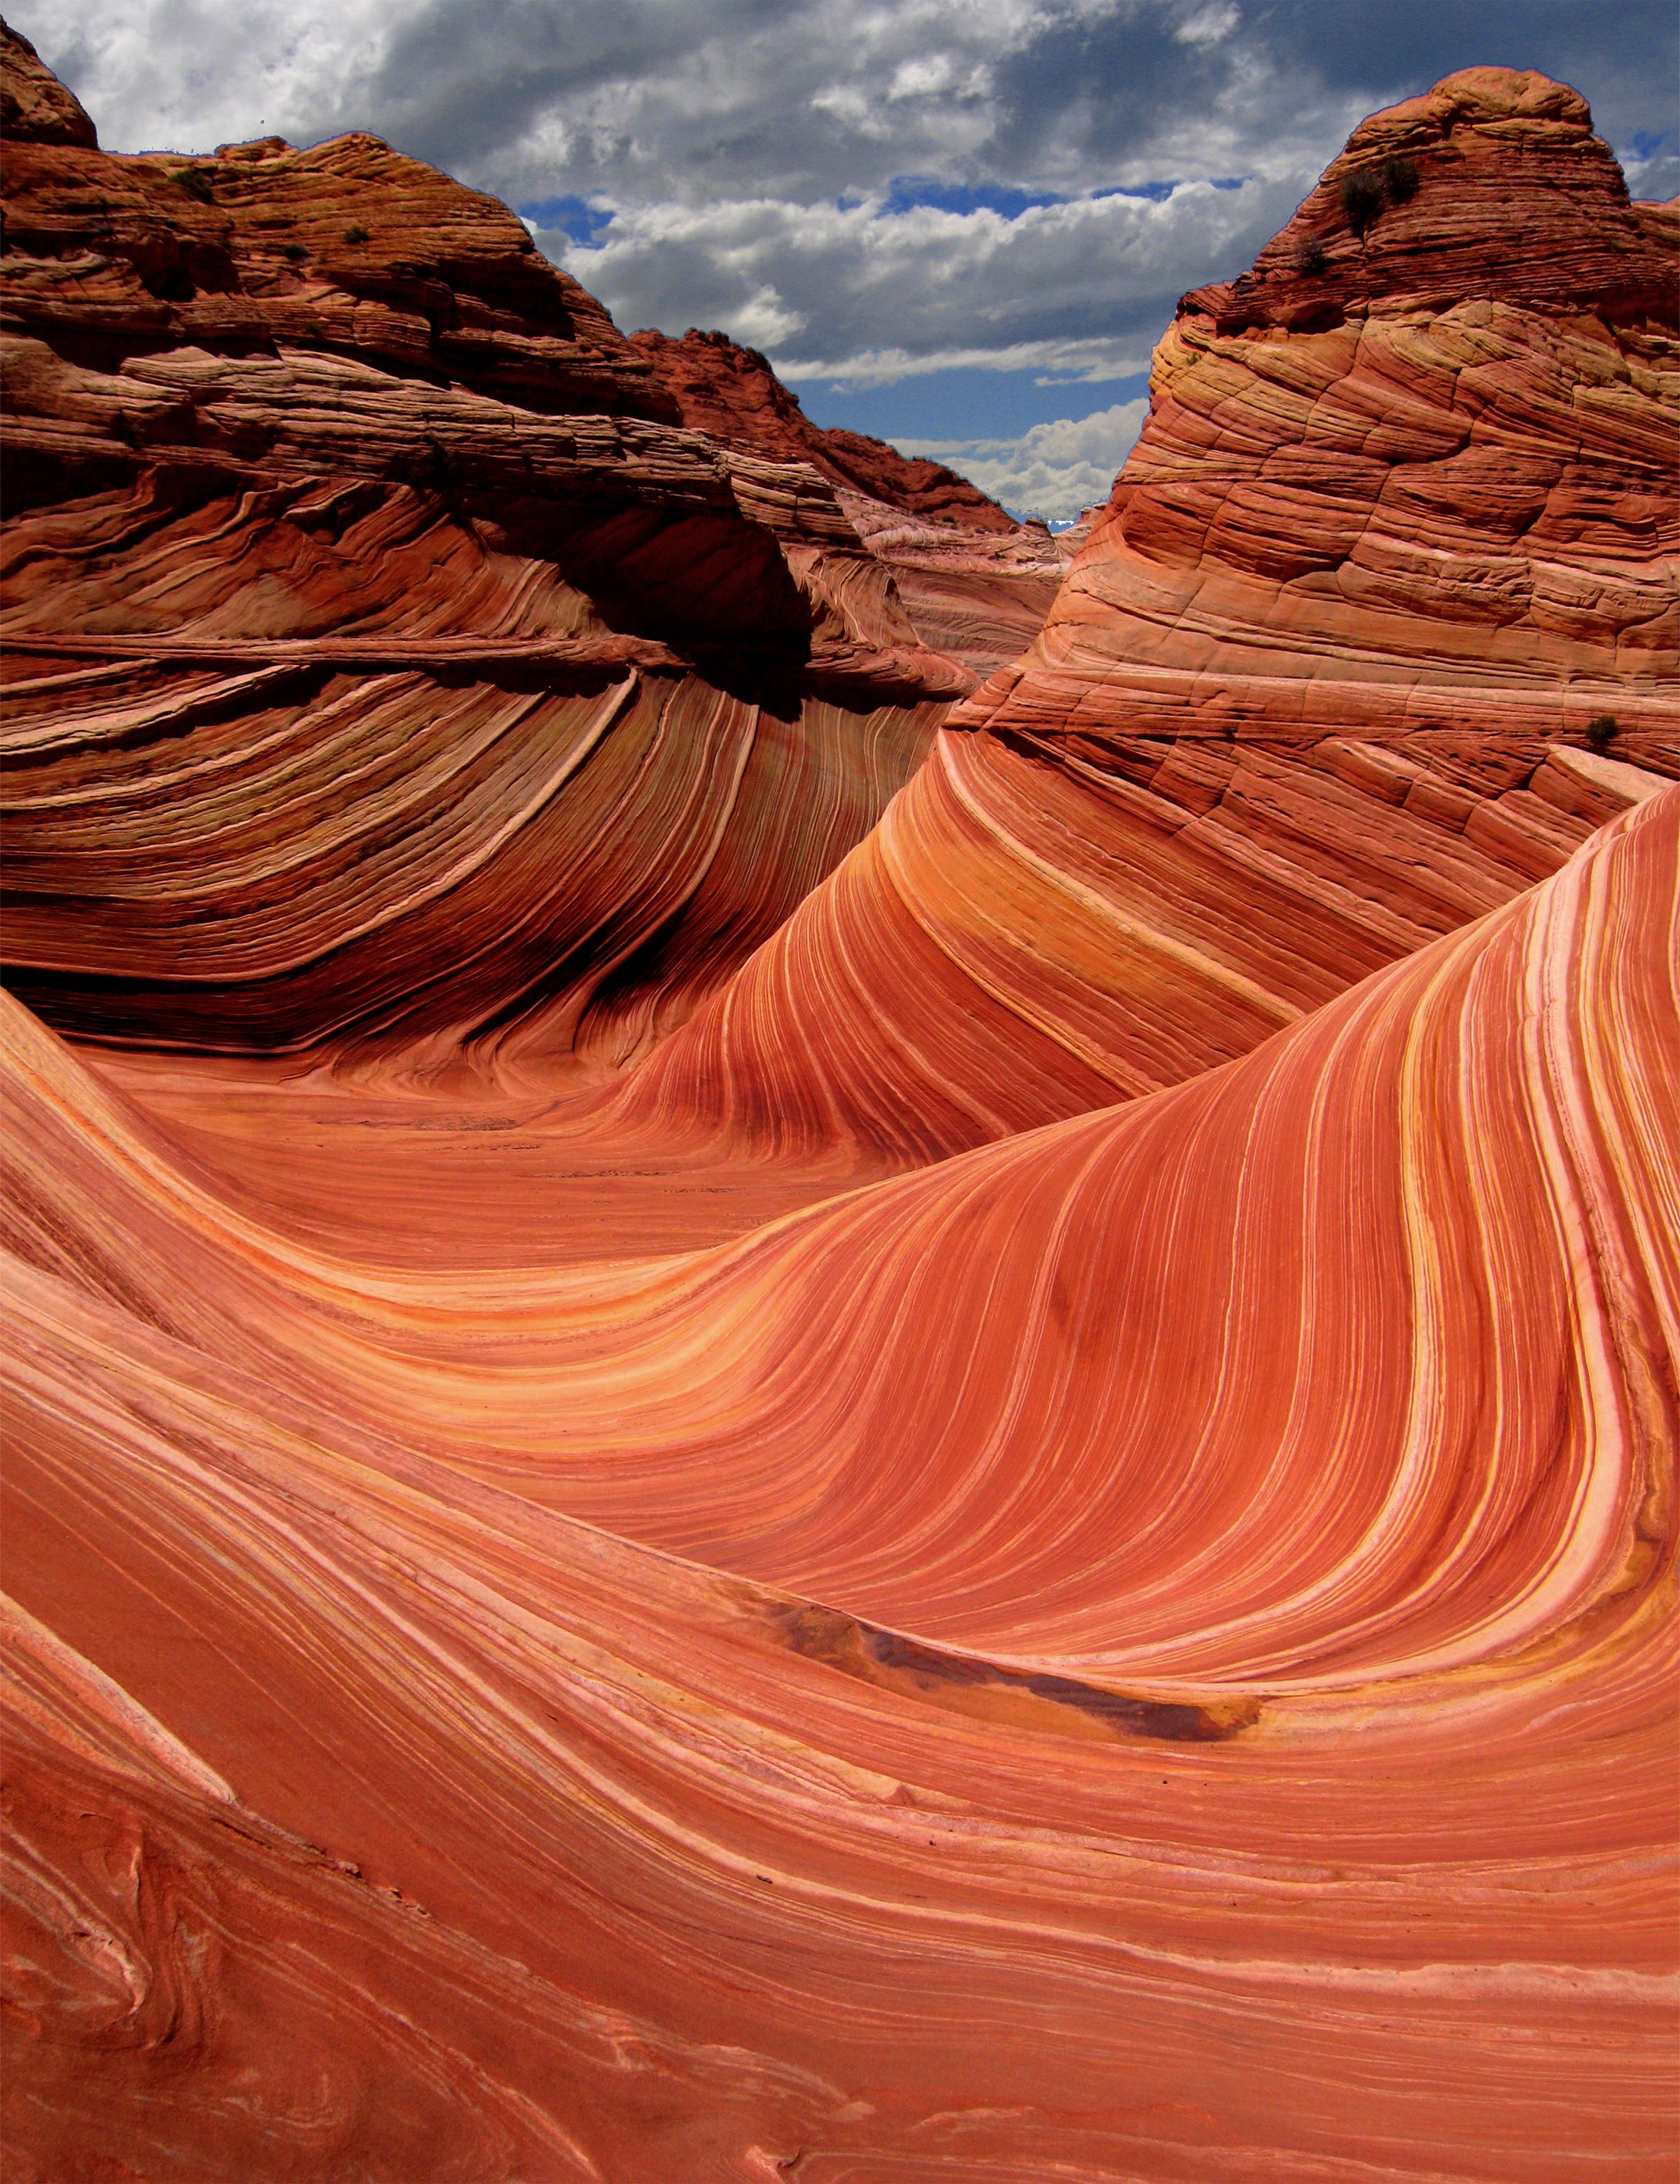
(1380, 622)
(976, 584)
(731, 394)
(562, 1622)
(1188, 1592)
(363, 590)
(981, 598)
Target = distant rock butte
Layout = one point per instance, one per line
(562, 1622)
(975, 583)
(732, 394)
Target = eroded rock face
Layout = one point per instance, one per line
(559, 1623)
(980, 597)
(349, 249)
(1207, 1563)
(1445, 463)
(731, 394)
(976, 584)
(35, 107)
(1492, 186)
(357, 559)
(1378, 587)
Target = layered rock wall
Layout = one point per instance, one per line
(558, 1623)
(368, 608)
(731, 394)
(1388, 575)
(1187, 1591)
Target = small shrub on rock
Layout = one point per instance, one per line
(296, 253)
(357, 233)
(1361, 199)
(1399, 179)
(1312, 257)
(1601, 730)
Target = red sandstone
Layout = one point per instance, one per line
(731, 393)
(560, 1622)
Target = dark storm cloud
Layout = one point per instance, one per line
(1100, 89)
(458, 79)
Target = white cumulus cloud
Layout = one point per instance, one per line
(863, 294)
(1053, 471)
(870, 193)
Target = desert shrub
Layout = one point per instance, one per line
(196, 183)
(357, 233)
(1361, 199)
(1399, 179)
(296, 253)
(1312, 257)
(1601, 730)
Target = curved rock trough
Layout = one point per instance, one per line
(774, 1414)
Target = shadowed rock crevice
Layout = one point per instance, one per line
(1034, 1700)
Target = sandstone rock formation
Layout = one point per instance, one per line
(976, 584)
(1186, 1593)
(731, 394)
(980, 597)
(562, 1622)
(1322, 683)
(311, 455)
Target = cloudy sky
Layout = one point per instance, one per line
(958, 224)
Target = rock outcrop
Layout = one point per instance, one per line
(349, 250)
(561, 1621)
(1491, 185)
(359, 561)
(980, 597)
(1188, 1592)
(976, 584)
(731, 394)
(1380, 622)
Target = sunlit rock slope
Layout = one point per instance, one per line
(1147, 1650)
(1009, 1515)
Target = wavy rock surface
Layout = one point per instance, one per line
(980, 597)
(560, 1621)
(361, 589)
(1161, 1587)
(1318, 686)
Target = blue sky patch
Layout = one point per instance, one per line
(574, 216)
(965, 403)
(906, 193)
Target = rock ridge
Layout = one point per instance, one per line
(1370, 593)
(732, 393)
(1493, 185)
(315, 444)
